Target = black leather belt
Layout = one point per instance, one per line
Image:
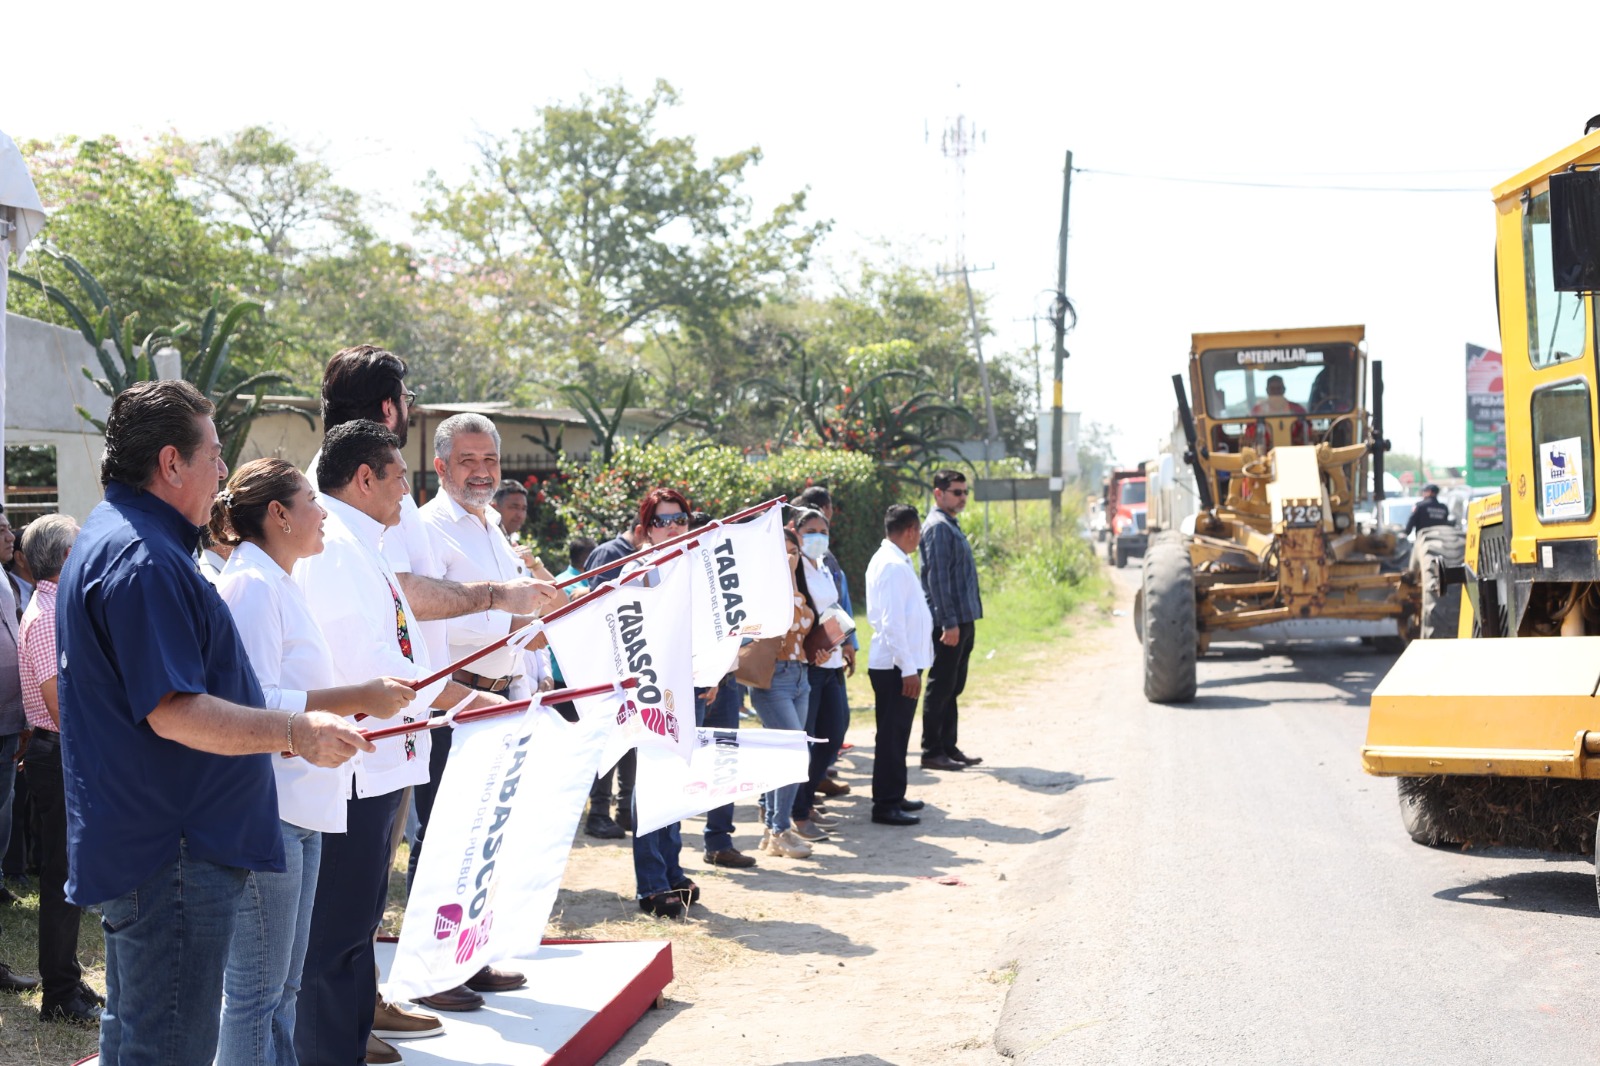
(481, 683)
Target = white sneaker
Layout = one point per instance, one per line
(766, 839)
(789, 845)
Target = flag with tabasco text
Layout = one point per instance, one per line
(640, 629)
(498, 839)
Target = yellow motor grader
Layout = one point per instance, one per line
(1282, 447)
(1496, 737)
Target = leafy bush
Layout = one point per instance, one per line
(600, 500)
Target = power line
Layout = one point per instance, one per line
(1308, 186)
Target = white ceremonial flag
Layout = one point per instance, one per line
(729, 765)
(642, 631)
(498, 840)
(741, 589)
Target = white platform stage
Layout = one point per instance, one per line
(581, 997)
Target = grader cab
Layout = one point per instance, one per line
(1282, 447)
(1496, 738)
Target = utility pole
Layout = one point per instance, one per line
(1058, 314)
(991, 436)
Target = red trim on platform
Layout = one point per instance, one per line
(611, 1023)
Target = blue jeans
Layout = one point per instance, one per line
(269, 949)
(655, 860)
(166, 952)
(783, 706)
(720, 710)
(827, 717)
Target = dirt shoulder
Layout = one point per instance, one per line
(888, 945)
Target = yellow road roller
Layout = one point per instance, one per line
(1495, 735)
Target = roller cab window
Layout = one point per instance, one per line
(1563, 452)
(1557, 326)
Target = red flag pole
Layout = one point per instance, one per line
(481, 713)
(737, 516)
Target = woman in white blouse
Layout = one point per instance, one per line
(269, 513)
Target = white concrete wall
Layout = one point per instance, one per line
(44, 380)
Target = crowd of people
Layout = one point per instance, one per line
(186, 710)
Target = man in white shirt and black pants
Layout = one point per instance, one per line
(469, 545)
(902, 647)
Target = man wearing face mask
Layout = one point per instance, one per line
(950, 580)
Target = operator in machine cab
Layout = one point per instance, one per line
(1430, 512)
(1278, 404)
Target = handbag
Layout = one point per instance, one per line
(831, 629)
(758, 661)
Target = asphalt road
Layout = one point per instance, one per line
(1231, 888)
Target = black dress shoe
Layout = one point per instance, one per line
(689, 891)
(458, 999)
(490, 979)
(663, 905)
(11, 981)
(600, 825)
(911, 805)
(894, 817)
(91, 993)
(960, 756)
(77, 1008)
(941, 762)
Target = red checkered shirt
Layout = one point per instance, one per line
(36, 657)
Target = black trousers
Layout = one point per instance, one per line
(58, 919)
(894, 714)
(339, 986)
(424, 793)
(946, 678)
(600, 793)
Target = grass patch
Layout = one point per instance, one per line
(24, 1039)
(1031, 582)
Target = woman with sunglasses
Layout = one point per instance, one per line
(663, 889)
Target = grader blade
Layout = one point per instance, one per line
(1515, 707)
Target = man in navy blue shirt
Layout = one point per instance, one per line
(169, 791)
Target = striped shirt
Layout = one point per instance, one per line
(949, 574)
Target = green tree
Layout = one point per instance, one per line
(155, 253)
(584, 233)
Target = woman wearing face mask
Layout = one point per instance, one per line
(783, 705)
(828, 708)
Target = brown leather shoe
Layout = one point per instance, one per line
(393, 1022)
(458, 1000)
(490, 979)
(378, 1051)
(732, 858)
(829, 787)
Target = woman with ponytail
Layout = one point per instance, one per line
(269, 515)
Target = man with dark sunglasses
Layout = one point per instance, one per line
(950, 580)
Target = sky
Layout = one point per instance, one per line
(848, 100)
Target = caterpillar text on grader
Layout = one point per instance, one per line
(1496, 738)
(1282, 447)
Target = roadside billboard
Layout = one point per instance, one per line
(1486, 418)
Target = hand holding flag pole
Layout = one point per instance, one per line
(480, 713)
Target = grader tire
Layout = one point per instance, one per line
(1441, 608)
(1170, 640)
